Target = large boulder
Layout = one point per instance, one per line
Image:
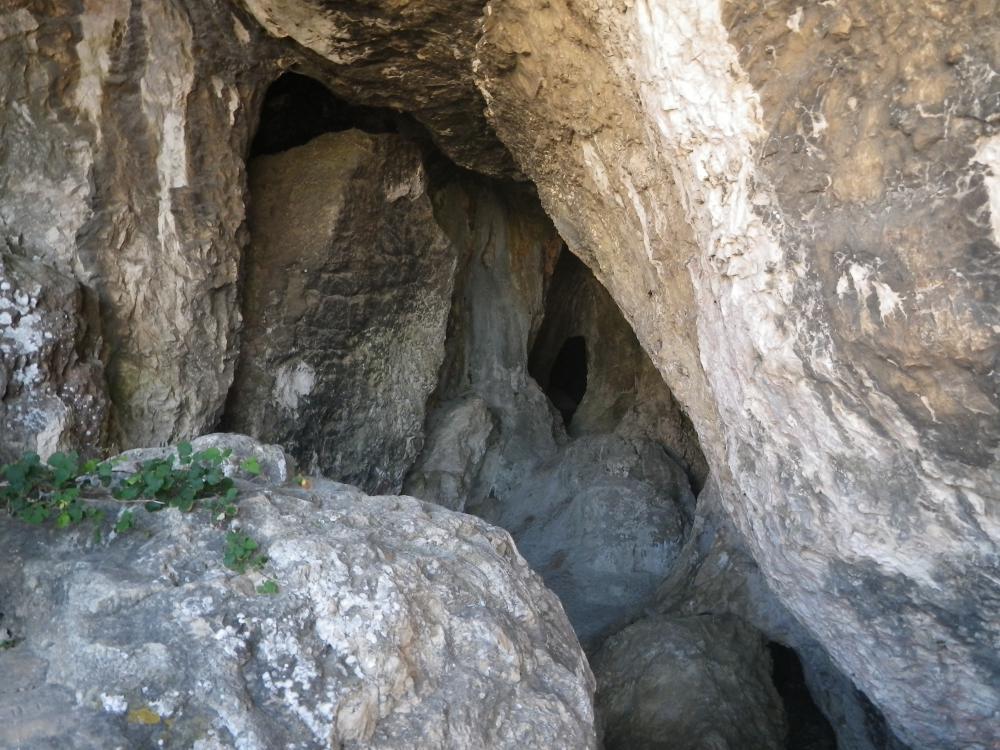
(397, 624)
(346, 300)
(603, 521)
(695, 683)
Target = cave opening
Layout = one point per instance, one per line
(808, 728)
(297, 108)
(566, 383)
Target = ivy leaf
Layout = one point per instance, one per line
(125, 522)
(104, 473)
(251, 466)
(184, 451)
(268, 587)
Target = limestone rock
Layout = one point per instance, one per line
(603, 521)
(624, 392)
(417, 59)
(687, 684)
(397, 624)
(52, 393)
(459, 434)
(276, 466)
(799, 220)
(346, 301)
(715, 575)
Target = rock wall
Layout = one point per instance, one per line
(770, 263)
(122, 146)
(347, 289)
(52, 394)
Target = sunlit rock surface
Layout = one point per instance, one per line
(397, 624)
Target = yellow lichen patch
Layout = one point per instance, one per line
(143, 715)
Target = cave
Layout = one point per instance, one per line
(297, 108)
(808, 728)
(568, 367)
(566, 382)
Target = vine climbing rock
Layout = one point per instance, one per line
(396, 624)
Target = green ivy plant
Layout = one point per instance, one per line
(63, 491)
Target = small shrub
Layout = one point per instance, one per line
(64, 492)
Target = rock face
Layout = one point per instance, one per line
(346, 299)
(52, 392)
(715, 575)
(623, 391)
(688, 683)
(600, 512)
(602, 520)
(397, 624)
(817, 296)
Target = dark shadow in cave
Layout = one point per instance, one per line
(808, 728)
(567, 380)
(298, 108)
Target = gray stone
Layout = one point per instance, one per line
(625, 394)
(763, 192)
(459, 435)
(276, 466)
(600, 516)
(794, 205)
(346, 299)
(715, 574)
(52, 392)
(694, 683)
(602, 521)
(397, 624)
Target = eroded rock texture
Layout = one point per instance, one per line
(122, 139)
(688, 683)
(52, 393)
(599, 507)
(398, 624)
(346, 298)
(818, 298)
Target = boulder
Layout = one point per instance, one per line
(692, 683)
(396, 624)
(458, 438)
(346, 300)
(602, 521)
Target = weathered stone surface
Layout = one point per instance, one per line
(398, 624)
(817, 297)
(715, 575)
(347, 292)
(416, 58)
(459, 436)
(52, 394)
(602, 520)
(688, 683)
(601, 515)
(122, 138)
(276, 466)
(796, 209)
(625, 394)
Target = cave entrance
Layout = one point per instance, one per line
(296, 109)
(567, 379)
(807, 726)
